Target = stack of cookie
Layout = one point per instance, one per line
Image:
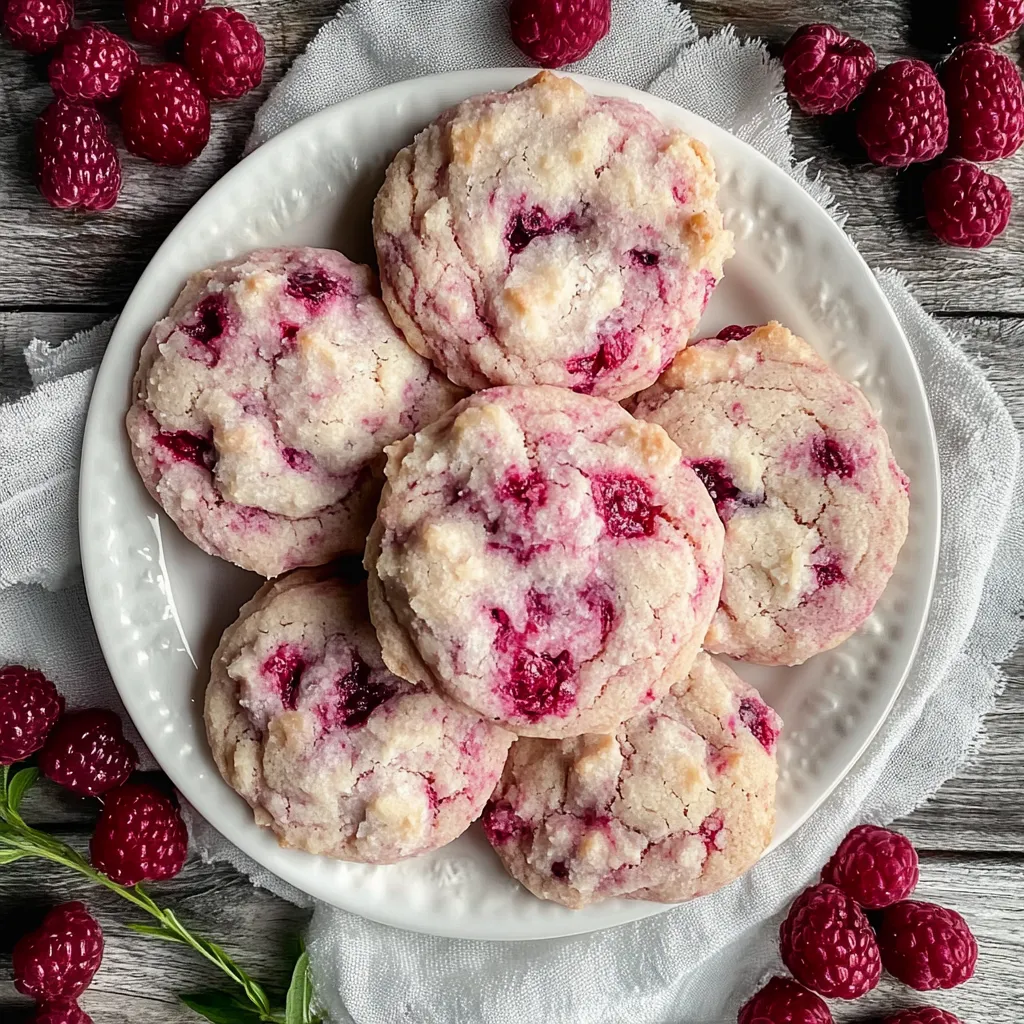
(544, 563)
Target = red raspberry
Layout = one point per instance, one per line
(926, 946)
(156, 21)
(827, 943)
(922, 1015)
(903, 118)
(77, 166)
(164, 116)
(29, 708)
(826, 70)
(36, 25)
(986, 103)
(225, 53)
(63, 1012)
(57, 961)
(965, 205)
(782, 1001)
(140, 836)
(989, 20)
(873, 866)
(92, 64)
(556, 32)
(88, 754)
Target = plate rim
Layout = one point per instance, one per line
(478, 81)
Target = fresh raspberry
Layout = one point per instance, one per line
(827, 943)
(139, 837)
(965, 205)
(556, 32)
(77, 166)
(873, 866)
(57, 960)
(225, 53)
(88, 754)
(926, 946)
(164, 115)
(903, 118)
(66, 1011)
(986, 103)
(156, 21)
(826, 70)
(922, 1015)
(989, 20)
(29, 708)
(36, 25)
(782, 1001)
(92, 64)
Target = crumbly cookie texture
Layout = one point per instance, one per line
(814, 505)
(545, 558)
(676, 804)
(263, 403)
(334, 753)
(548, 236)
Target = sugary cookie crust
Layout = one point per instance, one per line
(334, 753)
(545, 235)
(814, 505)
(544, 558)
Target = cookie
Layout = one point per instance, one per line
(814, 505)
(547, 236)
(263, 402)
(334, 753)
(677, 803)
(545, 558)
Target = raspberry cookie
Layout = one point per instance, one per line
(263, 403)
(544, 558)
(548, 236)
(676, 804)
(334, 753)
(815, 507)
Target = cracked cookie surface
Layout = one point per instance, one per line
(333, 752)
(676, 804)
(263, 402)
(545, 558)
(815, 507)
(548, 236)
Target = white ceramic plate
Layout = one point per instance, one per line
(160, 604)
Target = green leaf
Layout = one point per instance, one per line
(156, 931)
(10, 856)
(18, 786)
(221, 1007)
(300, 994)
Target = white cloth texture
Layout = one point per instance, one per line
(695, 963)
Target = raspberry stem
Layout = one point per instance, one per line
(18, 840)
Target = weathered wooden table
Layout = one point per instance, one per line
(59, 273)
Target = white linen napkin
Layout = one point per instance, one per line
(693, 964)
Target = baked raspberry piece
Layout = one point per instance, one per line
(62, 1011)
(965, 205)
(139, 836)
(58, 960)
(827, 943)
(783, 1001)
(88, 754)
(225, 53)
(29, 708)
(156, 21)
(985, 95)
(164, 115)
(826, 70)
(903, 118)
(36, 25)
(92, 64)
(989, 20)
(922, 1015)
(873, 866)
(926, 946)
(556, 32)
